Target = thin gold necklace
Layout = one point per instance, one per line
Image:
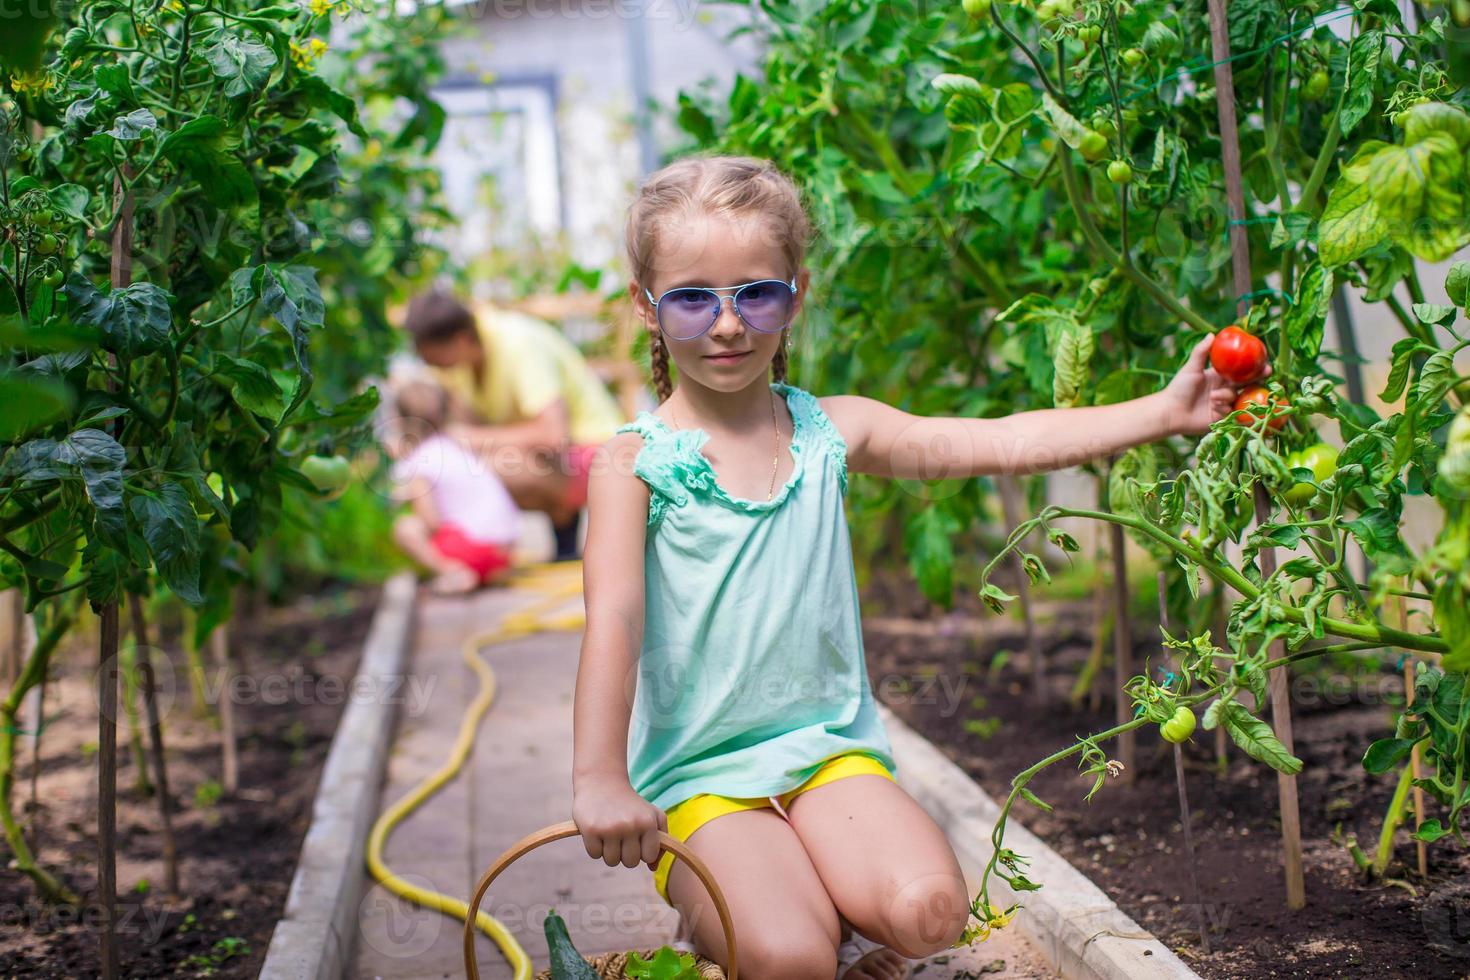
(775, 457)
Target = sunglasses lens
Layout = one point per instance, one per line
(686, 313)
(765, 305)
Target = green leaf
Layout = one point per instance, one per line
(1387, 753)
(1350, 224)
(98, 460)
(1433, 314)
(1306, 317)
(206, 148)
(1430, 831)
(252, 385)
(1422, 120)
(171, 529)
(1457, 283)
(242, 61)
(1066, 125)
(133, 125)
(1398, 375)
(133, 320)
(1256, 739)
(1073, 356)
(1362, 78)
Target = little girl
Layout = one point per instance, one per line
(722, 694)
(464, 523)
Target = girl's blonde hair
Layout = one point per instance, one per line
(724, 185)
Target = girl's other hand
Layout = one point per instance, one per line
(616, 823)
(1198, 396)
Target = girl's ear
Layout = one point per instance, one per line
(641, 306)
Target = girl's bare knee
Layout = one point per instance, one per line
(927, 915)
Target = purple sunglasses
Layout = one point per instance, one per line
(687, 312)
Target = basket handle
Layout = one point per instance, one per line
(568, 828)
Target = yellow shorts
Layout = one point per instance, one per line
(687, 817)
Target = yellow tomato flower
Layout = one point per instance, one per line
(978, 932)
(320, 8)
(304, 55)
(32, 82)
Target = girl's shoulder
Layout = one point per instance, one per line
(816, 425)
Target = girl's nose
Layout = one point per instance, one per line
(728, 323)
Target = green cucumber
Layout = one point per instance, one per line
(566, 962)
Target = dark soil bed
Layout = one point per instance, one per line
(935, 671)
(236, 853)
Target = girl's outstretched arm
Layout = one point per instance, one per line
(887, 441)
(616, 823)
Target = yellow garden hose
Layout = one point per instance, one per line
(556, 583)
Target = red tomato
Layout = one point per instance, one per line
(1256, 395)
(1239, 357)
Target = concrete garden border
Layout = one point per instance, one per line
(1071, 921)
(314, 938)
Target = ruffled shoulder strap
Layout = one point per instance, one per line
(808, 415)
(662, 462)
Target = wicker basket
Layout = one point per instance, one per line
(609, 966)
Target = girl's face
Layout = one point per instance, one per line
(713, 251)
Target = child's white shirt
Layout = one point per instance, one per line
(465, 490)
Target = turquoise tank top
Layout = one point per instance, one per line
(752, 672)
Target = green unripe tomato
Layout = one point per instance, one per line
(1315, 86)
(48, 245)
(1089, 33)
(1321, 459)
(1179, 727)
(1047, 11)
(1103, 123)
(976, 9)
(1119, 172)
(326, 473)
(53, 278)
(1133, 57)
(42, 219)
(1092, 146)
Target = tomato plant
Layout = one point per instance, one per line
(174, 184)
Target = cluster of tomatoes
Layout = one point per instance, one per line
(33, 226)
(1240, 358)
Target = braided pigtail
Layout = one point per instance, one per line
(659, 361)
(782, 359)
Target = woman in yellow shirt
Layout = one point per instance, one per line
(524, 398)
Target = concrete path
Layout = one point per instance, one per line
(517, 781)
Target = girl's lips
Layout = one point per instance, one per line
(730, 357)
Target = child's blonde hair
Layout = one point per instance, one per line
(725, 185)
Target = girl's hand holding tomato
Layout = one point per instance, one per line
(1200, 394)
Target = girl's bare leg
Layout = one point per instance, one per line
(886, 865)
(786, 926)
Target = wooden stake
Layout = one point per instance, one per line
(1010, 508)
(155, 743)
(107, 789)
(1291, 835)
